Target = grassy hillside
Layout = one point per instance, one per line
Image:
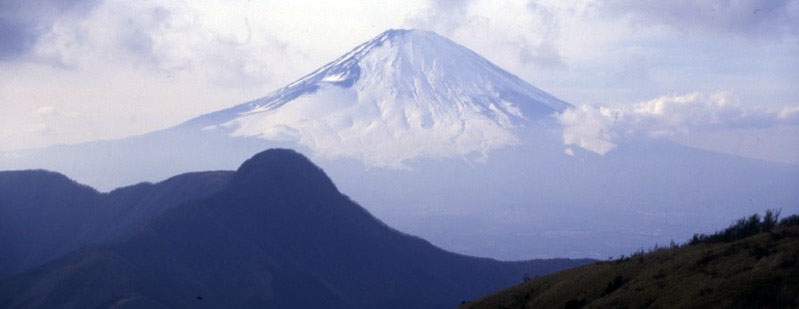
(753, 263)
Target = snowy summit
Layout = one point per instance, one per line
(403, 95)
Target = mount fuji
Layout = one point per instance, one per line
(406, 94)
(439, 142)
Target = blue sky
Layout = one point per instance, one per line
(81, 70)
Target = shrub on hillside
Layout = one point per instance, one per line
(746, 227)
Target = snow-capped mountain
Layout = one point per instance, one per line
(438, 142)
(406, 94)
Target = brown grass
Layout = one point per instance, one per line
(757, 271)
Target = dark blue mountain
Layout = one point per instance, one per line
(277, 234)
(44, 215)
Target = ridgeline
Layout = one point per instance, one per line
(753, 263)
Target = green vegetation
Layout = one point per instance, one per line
(752, 263)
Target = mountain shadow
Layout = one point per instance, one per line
(278, 234)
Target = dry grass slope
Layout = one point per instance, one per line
(756, 271)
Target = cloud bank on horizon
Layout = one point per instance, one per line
(81, 70)
(600, 128)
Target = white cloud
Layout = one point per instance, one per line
(600, 129)
(131, 67)
(790, 114)
(589, 128)
(753, 19)
(46, 110)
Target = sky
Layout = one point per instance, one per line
(720, 75)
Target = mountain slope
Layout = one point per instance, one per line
(44, 215)
(403, 95)
(760, 271)
(280, 235)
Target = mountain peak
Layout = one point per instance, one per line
(404, 32)
(405, 94)
(404, 35)
(395, 44)
(280, 168)
(273, 158)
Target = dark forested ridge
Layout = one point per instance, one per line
(275, 233)
(44, 215)
(754, 263)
